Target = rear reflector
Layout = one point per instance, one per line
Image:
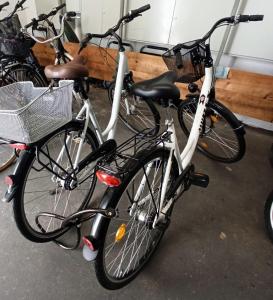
(8, 180)
(87, 242)
(107, 179)
(19, 146)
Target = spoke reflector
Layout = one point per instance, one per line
(120, 233)
(204, 145)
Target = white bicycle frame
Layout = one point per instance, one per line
(87, 113)
(184, 158)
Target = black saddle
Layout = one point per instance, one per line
(161, 87)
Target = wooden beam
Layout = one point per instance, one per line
(245, 93)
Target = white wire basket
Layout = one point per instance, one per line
(27, 113)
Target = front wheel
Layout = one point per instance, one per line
(268, 215)
(221, 136)
(40, 193)
(137, 114)
(128, 241)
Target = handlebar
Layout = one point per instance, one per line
(35, 23)
(132, 14)
(43, 17)
(4, 5)
(225, 21)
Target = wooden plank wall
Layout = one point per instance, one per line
(245, 93)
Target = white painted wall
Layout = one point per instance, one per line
(192, 19)
(154, 25)
(255, 39)
(97, 15)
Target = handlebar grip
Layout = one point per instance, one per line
(256, 18)
(71, 14)
(21, 3)
(140, 10)
(60, 7)
(4, 5)
(243, 18)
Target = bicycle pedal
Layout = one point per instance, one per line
(199, 179)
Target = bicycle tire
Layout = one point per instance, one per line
(210, 143)
(25, 217)
(137, 124)
(268, 216)
(113, 198)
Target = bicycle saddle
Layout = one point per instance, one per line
(72, 70)
(161, 87)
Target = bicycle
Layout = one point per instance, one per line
(28, 67)
(66, 158)
(145, 178)
(222, 134)
(20, 64)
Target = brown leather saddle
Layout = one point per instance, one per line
(74, 69)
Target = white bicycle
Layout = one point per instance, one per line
(54, 177)
(146, 177)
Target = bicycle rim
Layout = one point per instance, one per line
(219, 137)
(130, 239)
(42, 193)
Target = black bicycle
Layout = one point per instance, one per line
(20, 63)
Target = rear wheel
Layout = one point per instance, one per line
(39, 192)
(137, 114)
(221, 136)
(25, 72)
(129, 240)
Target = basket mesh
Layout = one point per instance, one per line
(10, 26)
(12, 42)
(28, 114)
(193, 66)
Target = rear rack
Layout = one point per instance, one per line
(116, 163)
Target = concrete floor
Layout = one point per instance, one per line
(193, 262)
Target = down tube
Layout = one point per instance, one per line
(188, 151)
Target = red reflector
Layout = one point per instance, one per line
(8, 180)
(107, 179)
(19, 146)
(88, 243)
